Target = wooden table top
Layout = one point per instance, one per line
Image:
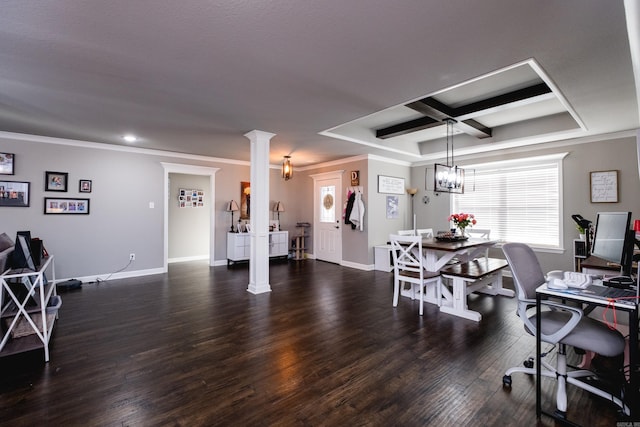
(432, 243)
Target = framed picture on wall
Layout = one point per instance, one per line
(392, 208)
(14, 194)
(7, 163)
(604, 186)
(245, 200)
(55, 181)
(390, 185)
(85, 186)
(63, 205)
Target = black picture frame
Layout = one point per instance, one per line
(15, 194)
(84, 186)
(66, 206)
(7, 164)
(56, 181)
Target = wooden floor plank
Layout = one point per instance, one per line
(192, 347)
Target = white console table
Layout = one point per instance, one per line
(239, 246)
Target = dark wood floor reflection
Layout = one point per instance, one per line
(324, 348)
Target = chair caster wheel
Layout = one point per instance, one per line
(528, 363)
(506, 381)
(560, 414)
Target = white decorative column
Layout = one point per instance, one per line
(259, 259)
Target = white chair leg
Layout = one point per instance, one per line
(561, 394)
(396, 291)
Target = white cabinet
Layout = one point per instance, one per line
(278, 243)
(382, 258)
(239, 245)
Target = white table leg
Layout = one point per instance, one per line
(458, 304)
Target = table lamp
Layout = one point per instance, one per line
(232, 207)
(278, 207)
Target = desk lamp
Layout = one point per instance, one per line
(585, 224)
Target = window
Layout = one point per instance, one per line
(519, 200)
(327, 203)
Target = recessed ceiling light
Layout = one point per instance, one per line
(130, 138)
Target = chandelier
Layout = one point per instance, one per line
(448, 178)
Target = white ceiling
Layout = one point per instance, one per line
(194, 76)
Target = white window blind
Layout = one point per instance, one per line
(518, 201)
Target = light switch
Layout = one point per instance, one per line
(152, 205)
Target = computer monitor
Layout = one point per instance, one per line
(613, 240)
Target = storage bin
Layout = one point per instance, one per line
(24, 328)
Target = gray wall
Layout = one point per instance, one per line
(125, 183)
(379, 225)
(120, 220)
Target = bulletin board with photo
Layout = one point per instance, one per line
(189, 198)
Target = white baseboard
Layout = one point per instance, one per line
(358, 266)
(188, 258)
(113, 276)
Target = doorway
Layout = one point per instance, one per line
(189, 170)
(327, 207)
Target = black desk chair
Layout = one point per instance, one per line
(562, 325)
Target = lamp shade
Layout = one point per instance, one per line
(278, 207)
(232, 206)
(412, 191)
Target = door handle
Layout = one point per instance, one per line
(337, 226)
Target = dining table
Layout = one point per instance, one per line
(438, 253)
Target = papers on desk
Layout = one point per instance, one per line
(570, 280)
(577, 280)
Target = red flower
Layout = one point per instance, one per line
(462, 220)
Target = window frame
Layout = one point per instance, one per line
(527, 162)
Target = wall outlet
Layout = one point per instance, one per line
(132, 257)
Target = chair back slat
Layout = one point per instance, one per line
(407, 253)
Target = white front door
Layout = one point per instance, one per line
(327, 218)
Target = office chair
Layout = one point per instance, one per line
(408, 267)
(562, 325)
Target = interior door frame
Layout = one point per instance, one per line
(337, 175)
(189, 170)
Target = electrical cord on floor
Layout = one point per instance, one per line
(99, 280)
(548, 351)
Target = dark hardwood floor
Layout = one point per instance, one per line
(324, 348)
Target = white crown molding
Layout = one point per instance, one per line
(112, 147)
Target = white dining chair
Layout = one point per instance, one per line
(406, 232)
(408, 268)
(425, 232)
(480, 233)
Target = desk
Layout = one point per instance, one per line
(631, 309)
(438, 253)
(598, 266)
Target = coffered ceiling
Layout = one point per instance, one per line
(330, 78)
